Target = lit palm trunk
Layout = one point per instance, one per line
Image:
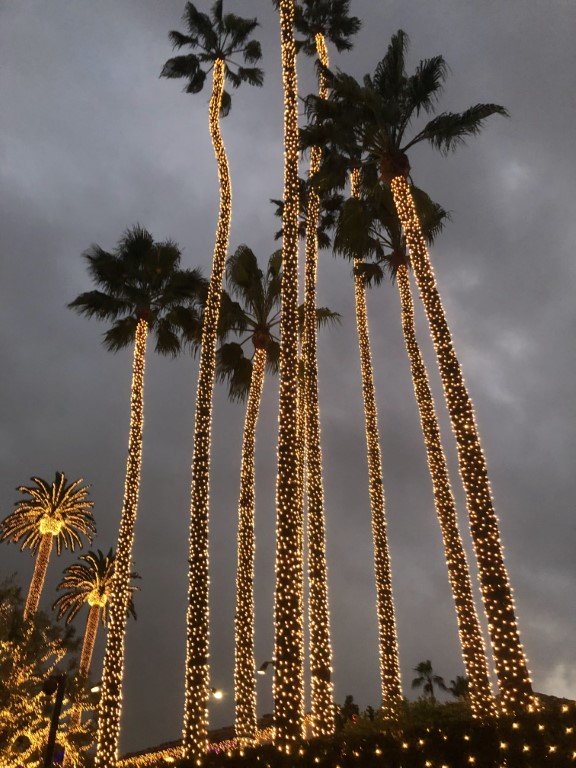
(110, 710)
(90, 634)
(320, 645)
(471, 641)
(288, 669)
(245, 667)
(388, 643)
(197, 685)
(39, 575)
(511, 665)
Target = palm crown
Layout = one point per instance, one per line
(368, 227)
(88, 582)
(330, 204)
(259, 317)
(142, 279)
(218, 36)
(330, 18)
(368, 123)
(427, 678)
(259, 295)
(60, 508)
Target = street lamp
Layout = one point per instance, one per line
(217, 693)
(264, 666)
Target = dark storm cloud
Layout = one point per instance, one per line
(92, 141)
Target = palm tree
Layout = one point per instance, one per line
(371, 120)
(370, 227)
(427, 679)
(288, 619)
(59, 510)
(259, 294)
(391, 687)
(89, 583)
(141, 289)
(460, 688)
(218, 40)
(317, 21)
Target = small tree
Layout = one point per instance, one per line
(30, 652)
(427, 679)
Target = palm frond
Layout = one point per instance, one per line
(451, 129)
(233, 367)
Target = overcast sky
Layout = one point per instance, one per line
(92, 141)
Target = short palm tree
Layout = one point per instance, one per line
(218, 40)
(259, 294)
(141, 290)
(89, 582)
(369, 227)
(460, 688)
(319, 22)
(427, 679)
(368, 124)
(53, 511)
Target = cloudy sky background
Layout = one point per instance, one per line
(92, 141)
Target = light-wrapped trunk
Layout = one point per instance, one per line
(511, 665)
(471, 640)
(197, 682)
(245, 665)
(110, 710)
(39, 575)
(288, 653)
(391, 686)
(90, 634)
(322, 692)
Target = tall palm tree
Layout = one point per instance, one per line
(89, 582)
(59, 510)
(142, 290)
(218, 40)
(288, 619)
(460, 688)
(259, 294)
(370, 227)
(318, 21)
(427, 679)
(390, 682)
(373, 119)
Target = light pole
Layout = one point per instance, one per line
(55, 683)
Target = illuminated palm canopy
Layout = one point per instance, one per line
(89, 582)
(60, 509)
(218, 37)
(142, 280)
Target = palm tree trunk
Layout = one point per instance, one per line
(113, 669)
(288, 669)
(88, 643)
(197, 682)
(90, 634)
(245, 665)
(511, 665)
(319, 614)
(471, 641)
(39, 575)
(388, 642)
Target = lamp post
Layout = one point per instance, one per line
(264, 666)
(55, 683)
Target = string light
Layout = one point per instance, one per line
(197, 687)
(471, 641)
(245, 667)
(288, 655)
(388, 643)
(110, 709)
(511, 666)
(322, 693)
